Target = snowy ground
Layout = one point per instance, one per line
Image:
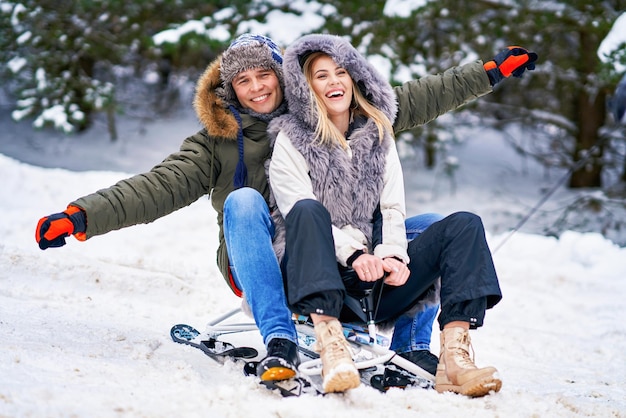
(85, 327)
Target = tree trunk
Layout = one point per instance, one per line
(430, 149)
(111, 123)
(591, 117)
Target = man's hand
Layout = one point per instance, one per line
(52, 230)
(512, 61)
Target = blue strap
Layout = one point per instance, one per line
(241, 172)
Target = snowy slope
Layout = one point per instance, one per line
(85, 327)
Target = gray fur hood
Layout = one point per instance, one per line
(372, 85)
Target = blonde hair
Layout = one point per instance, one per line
(325, 130)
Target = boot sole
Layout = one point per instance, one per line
(342, 381)
(477, 387)
(277, 373)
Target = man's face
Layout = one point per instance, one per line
(258, 89)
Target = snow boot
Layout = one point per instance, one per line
(281, 362)
(338, 369)
(456, 371)
(395, 376)
(423, 358)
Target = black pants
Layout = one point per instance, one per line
(454, 249)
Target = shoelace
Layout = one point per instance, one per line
(463, 356)
(336, 349)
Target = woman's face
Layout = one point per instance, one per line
(332, 84)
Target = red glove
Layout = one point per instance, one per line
(511, 61)
(52, 230)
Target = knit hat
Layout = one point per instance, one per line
(244, 53)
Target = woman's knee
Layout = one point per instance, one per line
(307, 208)
(309, 218)
(466, 219)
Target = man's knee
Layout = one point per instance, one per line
(240, 201)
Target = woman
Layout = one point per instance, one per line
(337, 180)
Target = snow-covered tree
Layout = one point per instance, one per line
(63, 59)
(564, 98)
(60, 54)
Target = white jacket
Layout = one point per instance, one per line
(290, 181)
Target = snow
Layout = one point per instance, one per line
(174, 35)
(85, 327)
(402, 8)
(615, 38)
(283, 27)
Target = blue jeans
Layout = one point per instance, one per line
(414, 333)
(248, 232)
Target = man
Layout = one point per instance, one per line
(236, 97)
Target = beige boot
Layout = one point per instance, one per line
(338, 369)
(456, 371)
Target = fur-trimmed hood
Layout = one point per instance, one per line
(373, 86)
(212, 111)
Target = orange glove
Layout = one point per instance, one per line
(511, 61)
(52, 230)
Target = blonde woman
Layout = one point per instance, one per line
(338, 184)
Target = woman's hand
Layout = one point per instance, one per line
(368, 267)
(398, 271)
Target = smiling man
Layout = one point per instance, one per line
(258, 89)
(236, 96)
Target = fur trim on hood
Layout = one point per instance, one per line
(212, 111)
(373, 86)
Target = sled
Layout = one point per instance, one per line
(371, 350)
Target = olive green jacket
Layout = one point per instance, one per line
(204, 165)
(206, 161)
(422, 100)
